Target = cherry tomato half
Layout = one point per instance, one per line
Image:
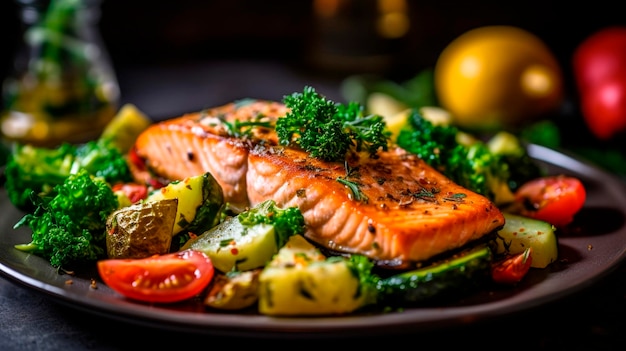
(513, 269)
(166, 278)
(134, 192)
(554, 199)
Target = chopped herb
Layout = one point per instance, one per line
(183, 221)
(425, 194)
(354, 188)
(458, 197)
(352, 185)
(225, 242)
(240, 129)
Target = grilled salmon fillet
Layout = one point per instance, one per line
(395, 209)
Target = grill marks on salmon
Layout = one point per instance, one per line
(403, 211)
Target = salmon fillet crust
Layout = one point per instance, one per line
(399, 210)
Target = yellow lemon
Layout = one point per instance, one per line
(497, 76)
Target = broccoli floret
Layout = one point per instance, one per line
(476, 168)
(286, 221)
(496, 175)
(432, 143)
(515, 160)
(493, 169)
(32, 171)
(104, 160)
(70, 227)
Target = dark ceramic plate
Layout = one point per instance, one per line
(593, 247)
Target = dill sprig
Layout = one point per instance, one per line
(329, 130)
(355, 187)
(426, 194)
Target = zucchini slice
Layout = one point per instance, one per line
(232, 246)
(441, 281)
(302, 281)
(200, 202)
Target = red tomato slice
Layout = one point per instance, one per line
(134, 192)
(166, 278)
(511, 270)
(554, 199)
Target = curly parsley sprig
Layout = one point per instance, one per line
(329, 130)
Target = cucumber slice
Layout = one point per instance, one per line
(451, 278)
(521, 232)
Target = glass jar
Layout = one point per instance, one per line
(62, 87)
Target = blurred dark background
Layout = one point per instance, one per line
(143, 33)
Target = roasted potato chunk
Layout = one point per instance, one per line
(141, 230)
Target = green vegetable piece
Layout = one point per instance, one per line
(69, 227)
(520, 233)
(232, 246)
(439, 282)
(200, 202)
(329, 130)
(141, 230)
(302, 281)
(34, 171)
(287, 221)
(493, 170)
(31, 170)
(543, 132)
